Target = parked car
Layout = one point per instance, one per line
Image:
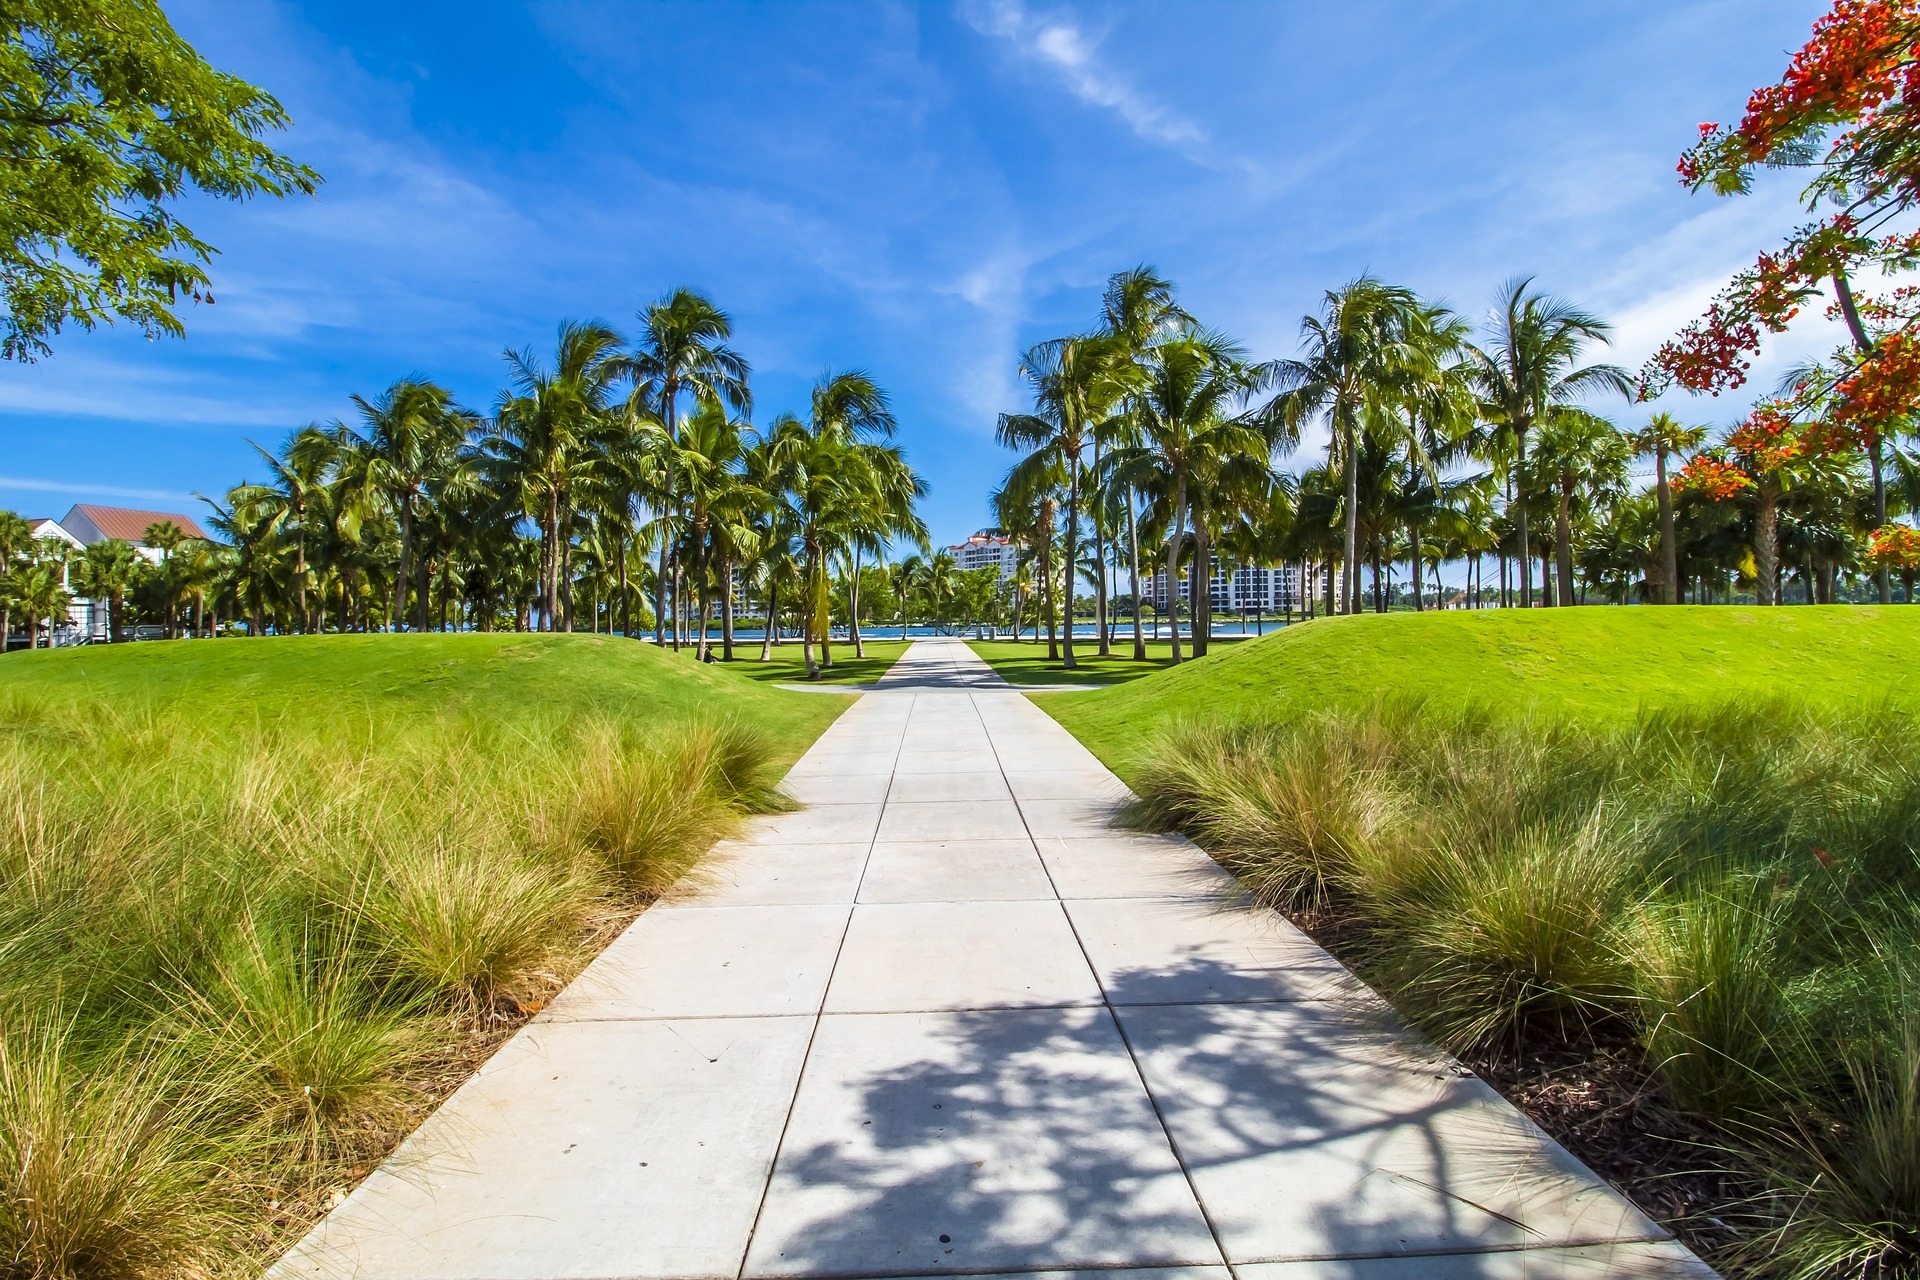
(147, 631)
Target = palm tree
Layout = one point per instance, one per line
(409, 437)
(16, 540)
(1139, 311)
(1663, 437)
(682, 347)
(108, 569)
(1075, 380)
(1526, 369)
(43, 597)
(301, 472)
(1577, 450)
(1188, 434)
(548, 444)
(1356, 351)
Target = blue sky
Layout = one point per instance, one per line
(916, 190)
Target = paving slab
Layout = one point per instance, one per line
(949, 1019)
(1311, 1132)
(931, 820)
(974, 1141)
(579, 1151)
(1116, 865)
(1202, 951)
(964, 955)
(955, 871)
(739, 874)
(1663, 1260)
(730, 962)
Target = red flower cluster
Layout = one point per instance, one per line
(1883, 390)
(1716, 478)
(1861, 55)
(1897, 547)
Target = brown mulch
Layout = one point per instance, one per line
(1595, 1093)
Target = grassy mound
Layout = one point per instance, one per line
(1600, 665)
(262, 903)
(495, 677)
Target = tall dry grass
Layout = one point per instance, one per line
(1734, 886)
(232, 962)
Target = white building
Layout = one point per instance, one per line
(82, 526)
(1242, 588)
(983, 550)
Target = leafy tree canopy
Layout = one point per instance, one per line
(106, 116)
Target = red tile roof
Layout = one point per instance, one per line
(131, 526)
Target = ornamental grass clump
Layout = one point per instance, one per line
(237, 964)
(1731, 887)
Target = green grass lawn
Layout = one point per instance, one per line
(1025, 662)
(497, 676)
(263, 902)
(1593, 663)
(787, 665)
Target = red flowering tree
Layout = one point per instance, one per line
(1848, 110)
(1757, 464)
(1896, 548)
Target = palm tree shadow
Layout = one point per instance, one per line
(1017, 1139)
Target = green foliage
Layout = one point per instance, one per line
(257, 897)
(1594, 664)
(1734, 886)
(106, 118)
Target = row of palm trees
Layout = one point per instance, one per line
(1154, 435)
(621, 485)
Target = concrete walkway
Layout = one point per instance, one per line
(947, 1020)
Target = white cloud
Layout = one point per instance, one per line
(104, 491)
(1059, 44)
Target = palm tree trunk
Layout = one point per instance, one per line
(1413, 543)
(626, 592)
(1133, 583)
(726, 609)
(773, 618)
(1100, 559)
(1522, 564)
(1766, 542)
(1669, 550)
(1174, 537)
(397, 617)
(853, 606)
(1200, 586)
(823, 613)
(1563, 544)
(1352, 570)
(1071, 537)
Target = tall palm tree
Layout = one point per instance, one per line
(1356, 351)
(108, 569)
(409, 437)
(682, 348)
(1664, 437)
(1075, 381)
(1528, 367)
(1188, 429)
(547, 443)
(16, 540)
(1138, 310)
(301, 471)
(1577, 451)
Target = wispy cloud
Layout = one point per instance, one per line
(1059, 44)
(89, 490)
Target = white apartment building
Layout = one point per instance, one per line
(1243, 587)
(983, 550)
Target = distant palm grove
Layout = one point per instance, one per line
(621, 487)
